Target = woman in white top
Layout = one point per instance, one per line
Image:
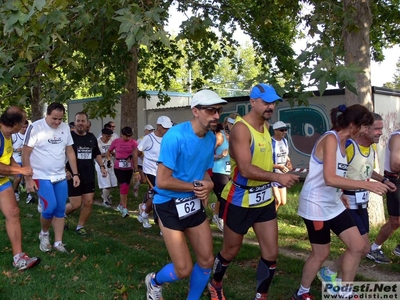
(321, 203)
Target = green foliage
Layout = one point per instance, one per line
(395, 84)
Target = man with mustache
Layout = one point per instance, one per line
(248, 195)
(181, 193)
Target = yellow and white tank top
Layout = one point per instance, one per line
(244, 192)
(6, 151)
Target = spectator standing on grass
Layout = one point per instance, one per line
(282, 163)
(248, 195)
(18, 142)
(150, 147)
(47, 146)
(147, 130)
(361, 157)
(110, 181)
(11, 121)
(222, 166)
(392, 172)
(126, 155)
(181, 195)
(322, 205)
(86, 150)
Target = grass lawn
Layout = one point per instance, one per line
(112, 261)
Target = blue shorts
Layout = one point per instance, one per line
(5, 186)
(53, 197)
(361, 218)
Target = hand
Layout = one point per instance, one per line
(30, 185)
(377, 187)
(289, 165)
(136, 176)
(288, 180)
(108, 163)
(26, 171)
(283, 168)
(391, 186)
(76, 180)
(345, 200)
(68, 175)
(103, 172)
(202, 192)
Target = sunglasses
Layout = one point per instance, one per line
(282, 130)
(211, 110)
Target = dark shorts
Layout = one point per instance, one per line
(393, 200)
(240, 219)
(219, 180)
(319, 231)
(360, 217)
(168, 215)
(123, 175)
(81, 189)
(152, 179)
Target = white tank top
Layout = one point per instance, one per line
(387, 153)
(319, 202)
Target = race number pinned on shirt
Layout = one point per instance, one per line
(187, 206)
(362, 197)
(84, 153)
(259, 194)
(124, 164)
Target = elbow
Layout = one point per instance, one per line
(329, 181)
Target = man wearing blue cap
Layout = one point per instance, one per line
(248, 195)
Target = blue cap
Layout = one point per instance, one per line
(266, 92)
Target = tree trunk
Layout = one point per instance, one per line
(36, 107)
(130, 98)
(356, 31)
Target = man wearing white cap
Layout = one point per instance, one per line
(150, 147)
(181, 193)
(147, 130)
(248, 195)
(282, 163)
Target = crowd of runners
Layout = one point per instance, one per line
(248, 170)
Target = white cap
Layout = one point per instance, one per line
(206, 98)
(279, 125)
(165, 122)
(148, 127)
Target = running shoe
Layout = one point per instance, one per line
(61, 248)
(145, 220)
(109, 199)
(26, 262)
(39, 207)
(378, 256)
(396, 250)
(44, 245)
(215, 293)
(219, 222)
(306, 296)
(125, 213)
(154, 292)
(16, 196)
(120, 208)
(106, 204)
(261, 296)
(81, 231)
(30, 199)
(328, 278)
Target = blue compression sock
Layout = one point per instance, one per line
(166, 274)
(198, 281)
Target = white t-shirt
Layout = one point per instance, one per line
(150, 145)
(17, 141)
(48, 155)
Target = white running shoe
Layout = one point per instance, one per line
(39, 207)
(44, 245)
(61, 248)
(154, 292)
(16, 196)
(219, 222)
(120, 208)
(26, 262)
(29, 199)
(145, 220)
